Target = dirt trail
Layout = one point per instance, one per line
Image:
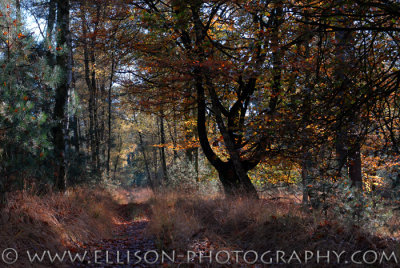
(129, 241)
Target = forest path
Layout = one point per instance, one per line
(120, 251)
(129, 243)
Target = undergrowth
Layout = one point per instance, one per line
(56, 221)
(182, 222)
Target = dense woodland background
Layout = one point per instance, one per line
(240, 96)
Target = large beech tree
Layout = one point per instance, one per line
(267, 73)
(232, 55)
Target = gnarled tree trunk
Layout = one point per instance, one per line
(234, 184)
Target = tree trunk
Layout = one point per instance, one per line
(172, 134)
(162, 149)
(233, 184)
(96, 118)
(341, 132)
(61, 94)
(109, 141)
(341, 152)
(306, 176)
(173, 139)
(119, 147)
(233, 173)
(196, 163)
(146, 163)
(155, 164)
(102, 154)
(347, 140)
(96, 128)
(91, 142)
(355, 165)
(49, 32)
(76, 136)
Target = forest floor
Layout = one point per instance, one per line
(136, 228)
(186, 226)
